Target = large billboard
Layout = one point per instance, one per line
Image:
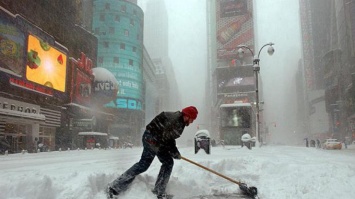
(31, 59)
(241, 79)
(45, 64)
(12, 46)
(234, 26)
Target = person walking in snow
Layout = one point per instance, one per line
(158, 140)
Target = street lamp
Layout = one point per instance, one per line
(256, 69)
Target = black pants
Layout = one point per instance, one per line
(149, 152)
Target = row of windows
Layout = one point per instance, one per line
(112, 31)
(116, 60)
(122, 46)
(117, 19)
(123, 8)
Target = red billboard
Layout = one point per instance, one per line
(82, 80)
(234, 26)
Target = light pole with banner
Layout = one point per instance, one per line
(256, 68)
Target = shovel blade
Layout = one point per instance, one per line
(250, 191)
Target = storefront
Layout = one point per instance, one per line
(20, 124)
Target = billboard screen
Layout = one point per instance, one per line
(234, 26)
(130, 87)
(12, 47)
(235, 79)
(82, 87)
(45, 64)
(81, 80)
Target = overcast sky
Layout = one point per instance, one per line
(276, 21)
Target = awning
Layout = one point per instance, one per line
(114, 138)
(92, 133)
(89, 109)
(22, 115)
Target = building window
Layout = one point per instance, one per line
(123, 8)
(131, 21)
(100, 60)
(107, 6)
(117, 18)
(97, 31)
(102, 17)
(116, 60)
(134, 12)
(122, 46)
(126, 33)
(134, 49)
(137, 36)
(112, 30)
(131, 62)
(106, 44)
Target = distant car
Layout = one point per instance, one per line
(332, 144)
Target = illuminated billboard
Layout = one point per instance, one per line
(12, 42)
(45, 64)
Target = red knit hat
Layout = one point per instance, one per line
(190, 111)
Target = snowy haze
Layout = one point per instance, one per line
(279, 172)
(276, 21)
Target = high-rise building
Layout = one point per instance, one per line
(156, 41)
(328, 53)
(118, 24)
(229, 23)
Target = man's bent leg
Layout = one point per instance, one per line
(121, 184)
(164, 173)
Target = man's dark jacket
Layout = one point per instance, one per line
(165, 128)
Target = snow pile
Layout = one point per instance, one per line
(278, 172)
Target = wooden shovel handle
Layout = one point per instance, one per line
(223, 176)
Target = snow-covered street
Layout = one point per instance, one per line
(279, 172)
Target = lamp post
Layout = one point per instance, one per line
(256, 68)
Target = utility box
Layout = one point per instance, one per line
(202, 141)
(247, 140)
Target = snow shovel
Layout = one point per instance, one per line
(249, 191)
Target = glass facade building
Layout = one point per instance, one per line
(119, 27)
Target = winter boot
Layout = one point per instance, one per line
(165, 196)
(111, 193)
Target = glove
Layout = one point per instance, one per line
(176, 155)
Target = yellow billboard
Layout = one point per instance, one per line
(45, 65)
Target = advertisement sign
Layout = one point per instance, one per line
(10, 107)
(129, 79)
(81, 88)
(12, 47)
(105, 86)
(230, 8)
(30, 58)
(235, 79)
(234, 26)
(45, 64)
(82, 79)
